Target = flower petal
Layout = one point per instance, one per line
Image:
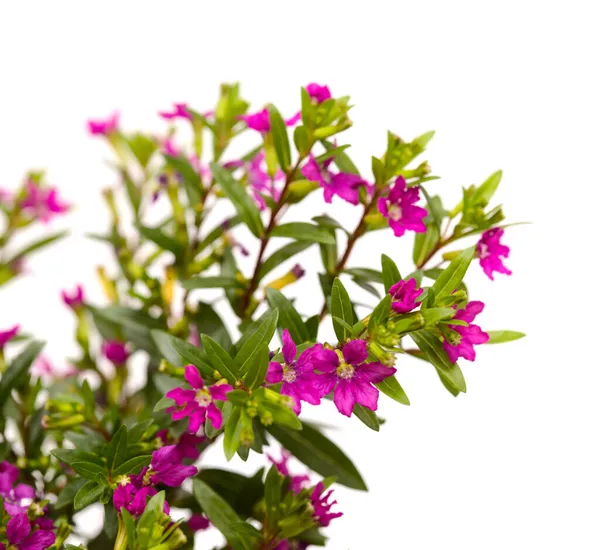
(355, 352)
(193, 377)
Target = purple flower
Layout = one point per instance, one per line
(198, 522)
(166, 467)
(261, 122)
(198, 403)
(7, 335)
(345, 186)
(21, 536)
(43, 204)
(318, 93)
(169, 148)
(297, 483)
(404, 295)
(115, 351)
(467, 336)
(104, 127)
(260, 181)
(322, 506)
(74, 299)
(400, 210)
(298, 376)
(490, 252)
(179, 111)
(133, 496)
(351, 377)
(187, 446)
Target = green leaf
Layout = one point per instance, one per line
(218, 281)
(280, 138)
(68, 492)
(15, 374)
(389, 272)
(117, 449)
(261, 337)
(425, 243)
(342, 160)
(128, 521)
(449, 279)
(174, 350)
(257, 370)
(89, 470)
(288, 316)
(282, 414)
(218, 232)
(37, 245)
(341, 307)
(209, 322)
(484, 193)
(433, 316)
(159, 237)
(237, 194)
(88, 494)
(449, 372)
(233, 430)
(69, 456)
(132, 466)
(220, 359)
(281, 255)
(142, 147)
(392, 388)
(365, 273)
(191, 178)
(367, 417)
(501, 336)
(220, 514)
(301, 140)
(302, 231)
(273, 487)
(380, 314)
(343, 326)
(318, 453)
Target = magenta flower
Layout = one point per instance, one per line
(198, 522)
(298, 376)
(7, 335)
(467, 336)
(169, 148)
(404, 295)
(104, 127)
(22, 536)
(180, 110)
(198, 403)
(133, 496)
(5, 196)
(400, 209)
(322, 506)
(166, 467)
(318, 93)
(344, 185)
(261, 183)
(187, 446)
(352, 378)
(490, 252)
(297, 483)
(261, 122)
(115, 351)
(42, 204)
(12, 493)
(74, 299)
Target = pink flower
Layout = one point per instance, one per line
(198, 522)
(260, 181)
(187, 446)
(180, 110)
(467, 336)
(7, 335)
(74, 299)
(261, 122)
(400, 210)
(345, 186)
(166, 467)
(298, 376)
(351, 377)
(133, 496)
(322, 506)
(198, 403)
(169, 148)
(297, 483)
(43, 204)
(22, 536)
(104, 127)
(318, 93)
(5, 196)
(490, 252)
(404, 295)
(43, 368)
(115, 351)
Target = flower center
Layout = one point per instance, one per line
(345, 371)
(123, 480)
(289, 374)
(395, 212)
(203, 397)
(484, 251)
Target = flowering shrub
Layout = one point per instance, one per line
(87, 435)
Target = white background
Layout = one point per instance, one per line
(514, 463)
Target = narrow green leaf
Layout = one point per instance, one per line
(389, 272)
(449, 279)
(302, 231)
(118, 448)
(433, 316)
(342, 160)
(179, 352)
(220, 359)
(89, 470)
(16, 372)
(238, 195)
(233, 430)
(288, 316)
(425, 243)
(341, 307)
(380, 314)
(257, 370)
(392, 388)
(132, 466)
(191, 178)
(501, 336)
(281, 255)
(37, 245)
(218, 281)
(367, 417)
(88, 494)
(261, 337)
(209, 322)
(218, 232)
(67, 494)
(280, 138)
(318, 453)
(484, 193)
(159, 237)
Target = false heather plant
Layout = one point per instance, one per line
(160, 376)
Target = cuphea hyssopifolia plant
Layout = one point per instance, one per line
(159, 375)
